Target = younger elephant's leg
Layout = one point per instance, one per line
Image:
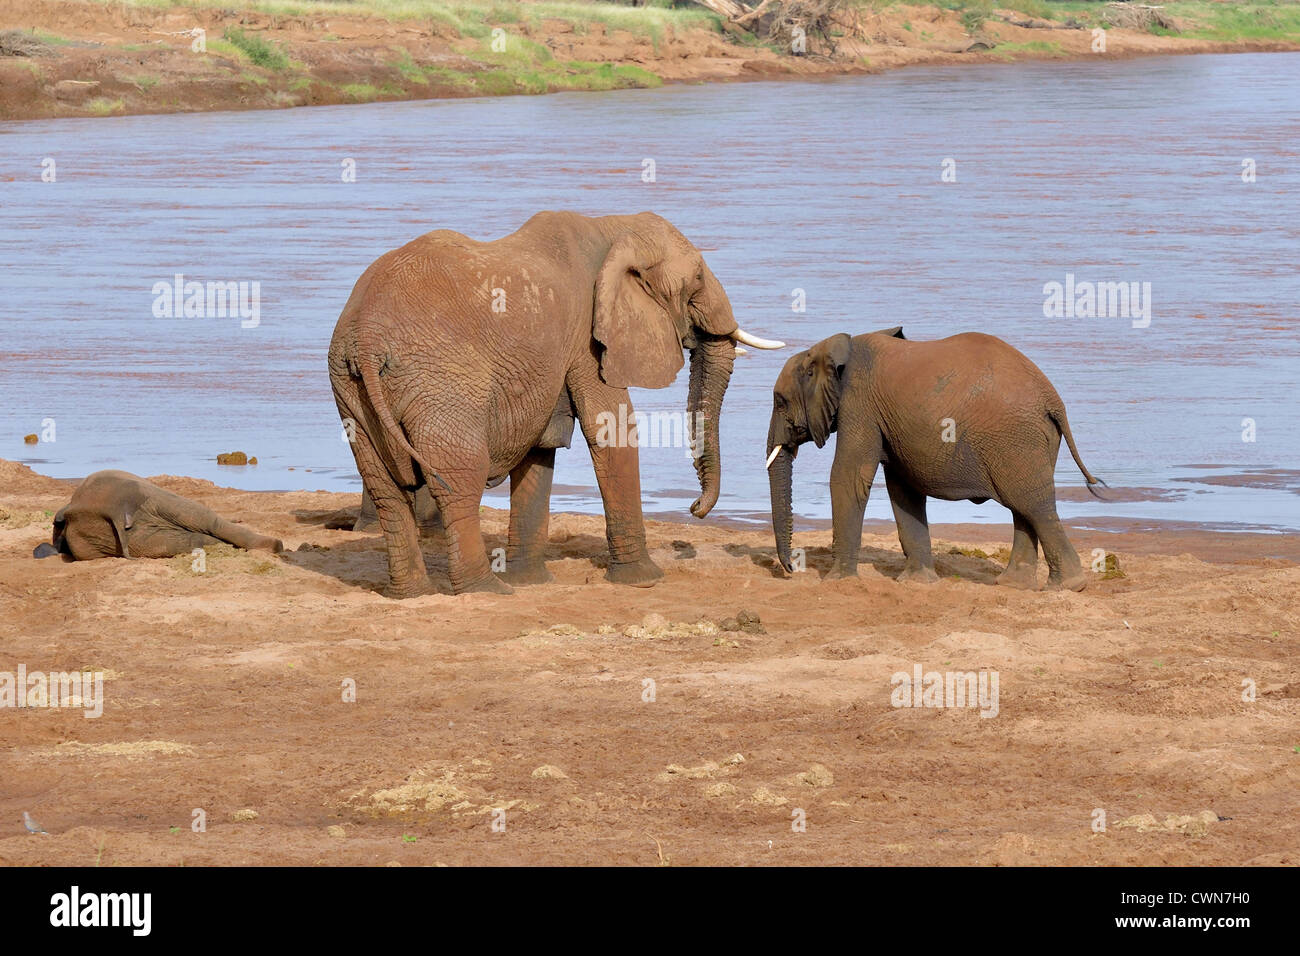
(913, 529)
(530, 514)
(407, 576)
(1022, 568)
(618, 474)
(242, 537)
(1063, 561)
(856, 459)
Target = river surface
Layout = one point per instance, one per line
(1111, 171)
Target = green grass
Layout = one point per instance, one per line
(409, 69)
(102, 106)
(258, 51)
(1009, 50)
(474, 18)
(51, 39)
(145, 83)
(360, 92)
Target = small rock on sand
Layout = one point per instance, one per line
(549, 772)
(337, 832)
(244, 816)
(815, 776)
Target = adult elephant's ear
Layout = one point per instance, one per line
(824, 372)
(641, 344)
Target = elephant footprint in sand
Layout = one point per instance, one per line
(117, 514)
(456, 364)
(963, 418)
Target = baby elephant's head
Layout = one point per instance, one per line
(805, 407)
(805, 401)
(59, 541)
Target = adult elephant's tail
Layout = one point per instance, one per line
(366, 362)
(1057, 415)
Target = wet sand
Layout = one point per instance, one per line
(224, 692)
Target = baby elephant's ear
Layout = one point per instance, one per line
(896, 332)
(826, 361)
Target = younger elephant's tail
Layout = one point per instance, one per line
(369, 369)
(1057, 415)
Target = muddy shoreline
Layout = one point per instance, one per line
(80, 58)
(221, 692)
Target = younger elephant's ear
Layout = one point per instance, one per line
(121, 522)
(825, 374)
(642, 347)
(896, 332)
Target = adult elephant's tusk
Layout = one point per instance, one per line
(744, 338)
(772, 457)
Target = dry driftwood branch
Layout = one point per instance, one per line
(780, 21)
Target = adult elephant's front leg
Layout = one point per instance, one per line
(530, 514)
(617, 466)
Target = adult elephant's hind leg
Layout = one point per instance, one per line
(1066, 571)
(913, 529)
(467, 560)
(407, 575)
(530, 516)
(1022, 567)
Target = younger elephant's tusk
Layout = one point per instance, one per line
(740, 350)
(744, 338)
(772, 457)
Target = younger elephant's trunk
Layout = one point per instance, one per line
(711, 362)
(780, 476)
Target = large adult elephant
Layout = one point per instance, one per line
(966, 417)
(457, 363)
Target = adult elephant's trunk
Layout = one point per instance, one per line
(711, 362)
(780, 474)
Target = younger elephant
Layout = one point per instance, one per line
(966, 417)
(116, 514)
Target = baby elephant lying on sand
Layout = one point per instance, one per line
(116, 514)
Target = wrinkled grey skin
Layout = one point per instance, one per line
(891, 402)
(116, 514)
(461, 363)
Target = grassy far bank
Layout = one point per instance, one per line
(134, 56)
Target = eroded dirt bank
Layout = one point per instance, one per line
(224, 692)
(83, 58)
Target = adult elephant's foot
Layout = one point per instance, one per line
(487, 585)
(918, 574)
(839, 572)
(1074, 582)
(521, 574)
(641, 573)
(409, 588)
(1022, 576)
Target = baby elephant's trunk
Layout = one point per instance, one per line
(780, 474)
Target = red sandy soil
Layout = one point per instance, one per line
(223, 692)
(114, 46)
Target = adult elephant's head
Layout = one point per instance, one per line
(654, 298)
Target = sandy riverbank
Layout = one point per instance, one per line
(63, 58)
(223, 692)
